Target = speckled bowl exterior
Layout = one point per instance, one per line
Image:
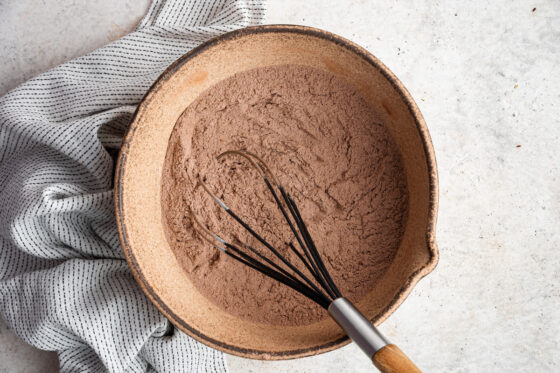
(140, 165)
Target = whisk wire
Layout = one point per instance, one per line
(320, 274)
(302, 259)
(313, 264)
(312, 247)
(277, 267)
(314, 272)
(269, 246)
(309, 249)
(294, 284)
(280, 275)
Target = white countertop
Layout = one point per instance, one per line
(486, 76)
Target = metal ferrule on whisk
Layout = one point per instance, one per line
(357, 327)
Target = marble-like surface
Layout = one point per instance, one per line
(486, 76)
(36, 35)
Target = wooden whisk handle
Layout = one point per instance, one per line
(390, 359)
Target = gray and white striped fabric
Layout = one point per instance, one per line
(64, 284)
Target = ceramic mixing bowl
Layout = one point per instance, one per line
(139, 172)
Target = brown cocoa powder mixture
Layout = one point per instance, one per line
(328, 148)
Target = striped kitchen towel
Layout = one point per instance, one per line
(64, 284)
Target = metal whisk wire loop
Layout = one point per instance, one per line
(322, 290)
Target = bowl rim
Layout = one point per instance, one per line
(431, 244)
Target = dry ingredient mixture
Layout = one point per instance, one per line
(329, 149)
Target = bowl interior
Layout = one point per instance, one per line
(140, 167)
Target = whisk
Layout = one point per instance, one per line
(387, 357)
